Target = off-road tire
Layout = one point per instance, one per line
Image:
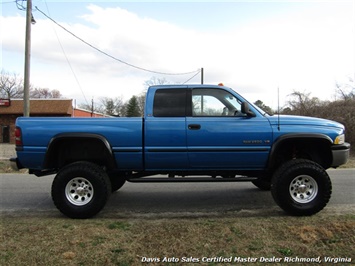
(262, 183)
(116, 182)
(81, 189)
(301, 187)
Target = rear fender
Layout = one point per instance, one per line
(69, 147)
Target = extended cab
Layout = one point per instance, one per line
(189, 133)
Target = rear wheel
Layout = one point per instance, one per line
(301, 187)
(81, 190)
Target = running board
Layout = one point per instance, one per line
(189, 179)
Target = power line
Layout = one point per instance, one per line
(66, 57)
(113, 57)
(198, 72)
(9, 2)
(20, 5)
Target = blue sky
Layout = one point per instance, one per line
(252, 46)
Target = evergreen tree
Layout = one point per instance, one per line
(132, 109)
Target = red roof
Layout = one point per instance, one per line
(40, 107)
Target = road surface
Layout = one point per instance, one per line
(23, 194)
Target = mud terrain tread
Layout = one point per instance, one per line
(286, 173)
(93, 173)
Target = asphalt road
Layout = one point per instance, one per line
(28, 194)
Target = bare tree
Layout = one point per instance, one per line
(152, 81)
(302, 104)
(141, 102)
(342, 110)
(44, 93)
(346, 90)
(155, 81)
(112, 106)
(11, 85)
(93, 107)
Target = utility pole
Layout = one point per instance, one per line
(202, 75)
(92, 107)
(26, 95)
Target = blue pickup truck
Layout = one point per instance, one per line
(189, 133)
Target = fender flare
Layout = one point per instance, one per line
(282, 139)
(78, 135)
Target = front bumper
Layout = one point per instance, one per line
(341, 153)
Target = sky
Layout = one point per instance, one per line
(254, 47)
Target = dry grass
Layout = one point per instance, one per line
(6, 168)
(350, 163)
(108, 241)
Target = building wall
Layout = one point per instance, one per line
(7, 121)
(85, 113)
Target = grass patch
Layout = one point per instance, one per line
(119, 225)
(107, 241)
(350, 163)
(5, 166)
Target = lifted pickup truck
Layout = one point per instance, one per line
(189, 133)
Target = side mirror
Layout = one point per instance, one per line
(246, 110)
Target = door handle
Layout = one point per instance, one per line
(194, 126)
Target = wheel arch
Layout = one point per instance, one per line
(66, 148)
(315, 147)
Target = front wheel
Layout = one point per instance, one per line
(262, 183)
(116, 182)
(81, 189)
(301, 187)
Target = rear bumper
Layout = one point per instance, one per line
(341, 154)
(15, 164)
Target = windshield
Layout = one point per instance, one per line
(264, 113)
(261, 111)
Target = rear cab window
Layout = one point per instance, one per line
(169, 103)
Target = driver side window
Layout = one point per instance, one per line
(214, 102)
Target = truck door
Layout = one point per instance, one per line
(165, 131)
(219, 136)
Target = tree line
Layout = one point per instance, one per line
(134, 107)
(341, 109)
(11, 86)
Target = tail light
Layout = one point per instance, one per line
(18, 136)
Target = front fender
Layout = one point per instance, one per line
(285, 139)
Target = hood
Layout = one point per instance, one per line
(303, 120)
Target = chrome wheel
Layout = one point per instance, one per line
(303, 189)
(79, 191)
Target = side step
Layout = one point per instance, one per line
(189, 179)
